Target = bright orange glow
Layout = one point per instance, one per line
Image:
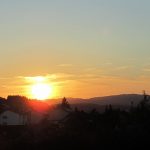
(40, 88)
(41, 91)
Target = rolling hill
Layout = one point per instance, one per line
(123, 99)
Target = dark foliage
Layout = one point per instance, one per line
(80, 130)
(65, 104)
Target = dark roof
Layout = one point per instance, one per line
(15, 111)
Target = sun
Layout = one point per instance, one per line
(41, 91)
(40, 88)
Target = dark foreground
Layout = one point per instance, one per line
(80, 130)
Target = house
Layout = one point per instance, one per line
(36, 117)
(10, 117)
(54, 113)
(57, 114)
(33, 112)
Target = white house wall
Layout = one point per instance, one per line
(12, 118)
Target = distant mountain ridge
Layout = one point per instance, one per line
(122, 99)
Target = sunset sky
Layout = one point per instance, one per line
(82, 48)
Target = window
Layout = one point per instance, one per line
(4, 123)
(4, 117)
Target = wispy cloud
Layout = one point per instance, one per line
(65, 65)
(89, 82)
(121, 68)
(146, 69)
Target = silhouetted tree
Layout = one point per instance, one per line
(65, 104)
(144, 103)
(76, 109)
(18, 103)
(106, 108)
(132, 106)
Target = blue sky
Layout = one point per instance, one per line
(100, 37)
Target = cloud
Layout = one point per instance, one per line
(121, 68)
(146, 69)
(108, 63)
(3, 78)
(89, 81)
(65, 65)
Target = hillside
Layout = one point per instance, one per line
(123, 99)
